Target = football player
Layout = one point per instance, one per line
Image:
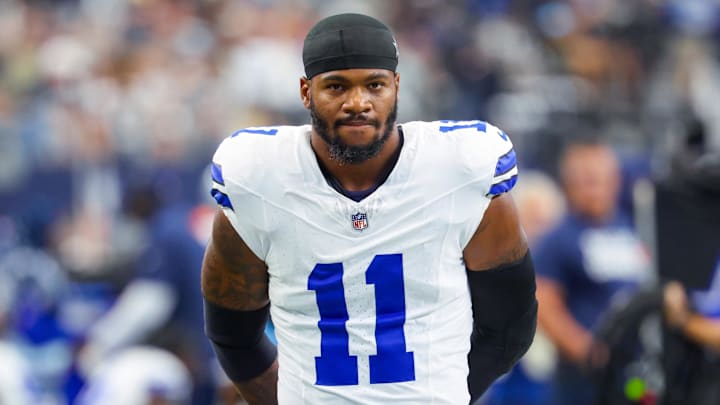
(388, 256)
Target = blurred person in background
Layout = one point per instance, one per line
(161, 303)
(540, 206)
(139, 375)
(688, 252)
(696, 316)
(589, 259)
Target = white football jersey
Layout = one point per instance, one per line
(369, 299)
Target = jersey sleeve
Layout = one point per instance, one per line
(218, 190)
(506, 170)
(231, 171)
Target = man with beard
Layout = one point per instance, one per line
(389, 256)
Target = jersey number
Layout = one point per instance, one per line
(480, 126)
(392, 363)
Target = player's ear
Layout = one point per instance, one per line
(305, 91)
(397, 81)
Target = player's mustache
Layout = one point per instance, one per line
(355, 119)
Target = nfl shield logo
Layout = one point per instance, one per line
(359, 221)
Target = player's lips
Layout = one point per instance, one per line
(356, 124)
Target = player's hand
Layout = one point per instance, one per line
(676, 308)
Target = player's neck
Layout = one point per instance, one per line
(360, 176)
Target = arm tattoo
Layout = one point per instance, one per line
(232, 276)
(512, 255)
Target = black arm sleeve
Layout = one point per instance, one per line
(239, 340)
(504, 317)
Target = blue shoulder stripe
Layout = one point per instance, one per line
(216, 173)
(452, 125)
(221, 198)
(503, 186)
(257, 131)
(505, 163)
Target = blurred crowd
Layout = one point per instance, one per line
(110, 111)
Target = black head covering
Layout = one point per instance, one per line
(349, 41)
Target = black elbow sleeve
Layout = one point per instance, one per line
(239, 340)
(504, 319)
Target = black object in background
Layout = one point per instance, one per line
(687, 215)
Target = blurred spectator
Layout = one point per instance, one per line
(590, 259)
(162, 303)
(540, 204)
(697, 318)
(139, 376)
(687, 205)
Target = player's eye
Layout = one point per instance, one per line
(376, 85)
(335, 87)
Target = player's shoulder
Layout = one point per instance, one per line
(253, 140)
(467, 131)
(476, 137)
(474, 148)
(254, 149)
(453, 127)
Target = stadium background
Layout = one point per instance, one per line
(105, 102)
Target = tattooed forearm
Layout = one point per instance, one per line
(232, 276)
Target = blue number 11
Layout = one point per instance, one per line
(392, 363)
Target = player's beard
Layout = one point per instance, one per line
(343, 153)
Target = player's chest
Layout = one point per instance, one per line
(323, 219)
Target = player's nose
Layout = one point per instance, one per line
(357, 101)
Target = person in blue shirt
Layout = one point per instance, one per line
(589, 259)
